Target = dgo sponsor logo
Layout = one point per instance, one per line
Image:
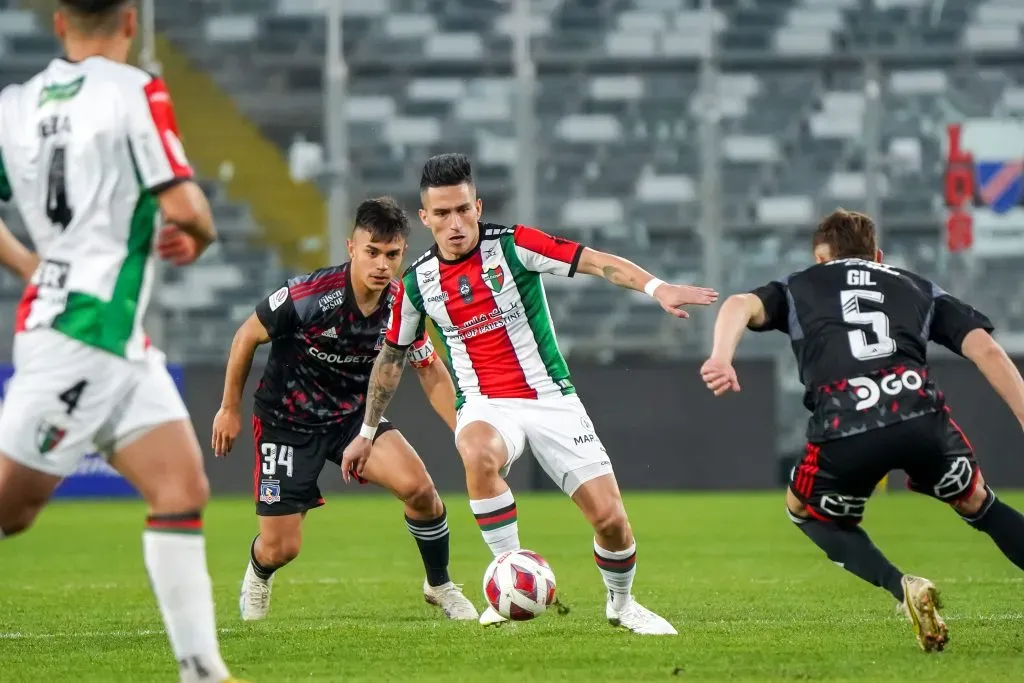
(869, 392)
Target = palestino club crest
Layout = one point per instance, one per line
(49, 436)
(494, 278)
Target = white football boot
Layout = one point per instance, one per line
(637, 618)
(490, 617)
(450, 599)
(254, 598)
(921, 603)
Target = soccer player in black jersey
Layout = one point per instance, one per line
(326, 329)
(860, 331)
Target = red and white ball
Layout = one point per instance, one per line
(519, 585)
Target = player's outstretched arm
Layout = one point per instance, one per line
(15, 256)
(738, 311)
(440, 390)
(997, 367)
(384, 379)
(228, 421)
(626, 274)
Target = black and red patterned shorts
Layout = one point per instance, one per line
(836, 478)
(288, 463)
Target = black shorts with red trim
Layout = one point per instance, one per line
(836, 478)
(288, 463)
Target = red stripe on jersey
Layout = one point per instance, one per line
(25, 307)
(394, 332)
(538, 241)
(492, 353)
(161, 109)
(318, 286)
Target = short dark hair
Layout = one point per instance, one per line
(94, 16)
(444, 170)
(848, 234)
(383, 218)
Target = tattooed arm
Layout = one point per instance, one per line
(626, 274)
(384, 379)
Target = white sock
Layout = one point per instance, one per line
(176, 562)
(617, 567)
(1, 534)
(498, 520)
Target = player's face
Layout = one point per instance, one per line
(452, 213)
(374, 263)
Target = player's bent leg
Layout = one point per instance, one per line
(164, 463)
(277, 544)
(847, 545)
(985, 512)
(615, 554)
(485, 452)
(395, 466)
(23, 494)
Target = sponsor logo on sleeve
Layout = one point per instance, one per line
(278, 298)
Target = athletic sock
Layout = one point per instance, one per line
(852, 549)
(432, 539)
(260, 570)
(1004, 525)
(1, 534)
(617, 567)
(175, 554)
(498, 522)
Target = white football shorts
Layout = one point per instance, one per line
(66, 400)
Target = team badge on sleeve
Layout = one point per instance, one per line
(278, 298)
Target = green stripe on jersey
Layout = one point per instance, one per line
(5, 183)
(109, 325)
(412, 290)
(535, 305)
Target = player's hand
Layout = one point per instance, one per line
(719, 376)
(177, 246)
(673, 297)
(226, 426)
(354, 459)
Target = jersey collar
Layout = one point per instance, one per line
(465, 257)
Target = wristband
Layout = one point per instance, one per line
(652, 285)
(367, 432)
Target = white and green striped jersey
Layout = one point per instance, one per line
(491, 311)
(85, 148)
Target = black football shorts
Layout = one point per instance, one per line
(836, 478)
(288, 463)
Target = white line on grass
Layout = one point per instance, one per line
(858, 619)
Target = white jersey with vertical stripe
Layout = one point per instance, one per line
(491, 312)
(85, 148)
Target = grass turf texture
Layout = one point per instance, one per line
(752, 598)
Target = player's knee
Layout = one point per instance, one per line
(187, 493)
(972, 504)
(421, 496)
(610, 521)
(482, 453)
(279, 550)
(19, 521)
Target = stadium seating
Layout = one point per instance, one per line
(619, 142)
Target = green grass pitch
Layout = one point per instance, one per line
(753, 600)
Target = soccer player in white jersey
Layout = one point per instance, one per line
(89, 151)
(481, 285)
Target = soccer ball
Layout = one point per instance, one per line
(519, 585)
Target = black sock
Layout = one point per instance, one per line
(432, 538)
(850, 548)
(263, 572)
(1004, 524)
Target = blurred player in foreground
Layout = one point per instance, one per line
(89, 150)
(481, 285)
(860, 331)
(326, 329)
